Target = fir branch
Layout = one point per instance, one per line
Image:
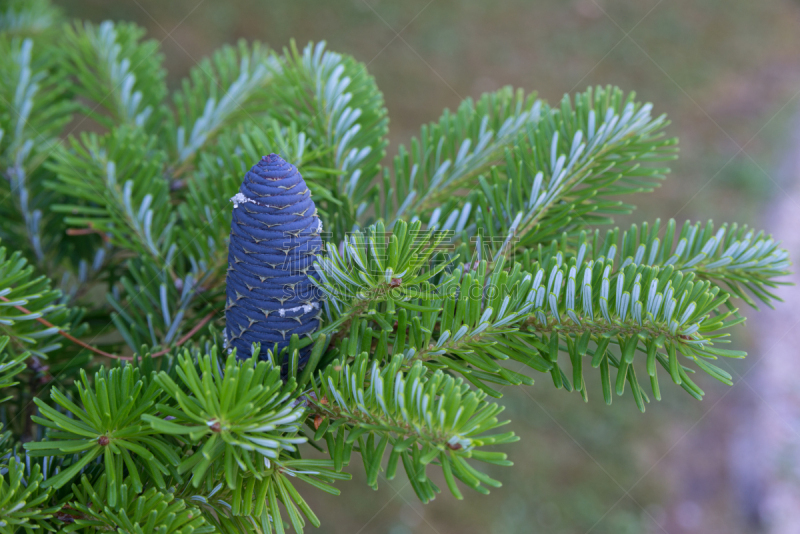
(117, 72)
(10, 366)
(219, 91)
(563, 172)
(470, 322)
(638, 308)
(22, 17)
(336, 102)
(107, 425)
(742, 259)
(152, 308)
(372, 269)
(115, 186)
(24, 504)
(450, 153)
(477, 326)
(244, 426)
(136, 511)
(60, 332)
(34, 93)
(258, 507)
(422, 418)
(196, 328)
(26, 299)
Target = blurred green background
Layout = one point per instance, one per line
(725, 72)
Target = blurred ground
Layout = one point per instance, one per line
(727, 74)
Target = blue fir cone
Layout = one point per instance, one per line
(275, 236)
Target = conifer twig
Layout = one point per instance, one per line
(186, 337)
(85, 345)
(63, 333)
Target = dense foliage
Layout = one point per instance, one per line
(469, 264)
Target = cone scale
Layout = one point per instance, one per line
(275, 236)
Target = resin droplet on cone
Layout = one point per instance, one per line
(275, 236)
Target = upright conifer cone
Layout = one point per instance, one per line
(275, 236)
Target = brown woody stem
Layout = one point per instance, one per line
(85, 345)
